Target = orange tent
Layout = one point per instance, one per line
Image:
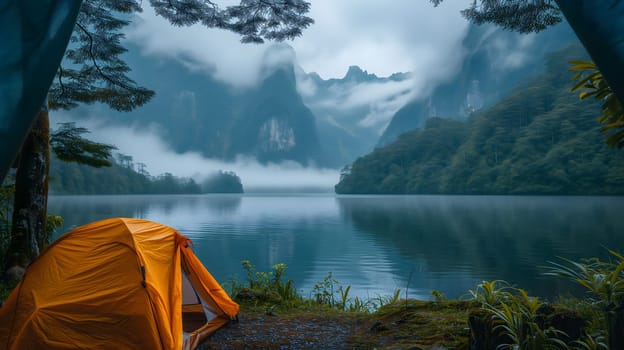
(117, 283)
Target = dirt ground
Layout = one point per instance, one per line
(274, 331)
(421, 326)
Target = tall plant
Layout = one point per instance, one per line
(604, 281)
(592, 84)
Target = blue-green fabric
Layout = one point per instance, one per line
(35, 34)
(599, 24)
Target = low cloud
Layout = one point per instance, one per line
(381, 38)
(146, 147)
(381, 99)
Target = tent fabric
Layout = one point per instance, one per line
(34, 38)
(116, 281)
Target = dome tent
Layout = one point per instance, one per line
(126, 283)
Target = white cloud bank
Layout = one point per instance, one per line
(145, 146)
(379, 36)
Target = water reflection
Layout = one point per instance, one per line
(489, 237)
(79, 210)
(377, 243)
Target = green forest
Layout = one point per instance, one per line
(125, 177)
(540, 139)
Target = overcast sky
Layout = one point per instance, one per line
(382, 37)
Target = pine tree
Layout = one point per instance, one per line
(524, 16)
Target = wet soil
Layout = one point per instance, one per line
(256, 330)
(417, 326)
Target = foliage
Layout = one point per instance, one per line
(605, 283)
(589, 342)
(69, 146)
(539, 140)
(416, 324)
(123, 177)
(332, 293)
(519, 315)
(270, 288)
(222, 182)
(324, 292)
(604, 280)
(438, 296)
(53, 222)
(255, 20)
(267, 286)
(491, 292)
(591, 81)
(93, 70)
(524, 16)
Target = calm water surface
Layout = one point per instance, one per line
(377, 244)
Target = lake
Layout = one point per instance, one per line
(377, 244)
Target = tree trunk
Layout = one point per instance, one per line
(28, 234)
(599, 26)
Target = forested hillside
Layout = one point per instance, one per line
(538, 140)
(496, 61)
(125, 177)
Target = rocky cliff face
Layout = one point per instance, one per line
(496, 62)
(276, 135)
(274, 124)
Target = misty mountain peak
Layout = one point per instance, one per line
(355, 73)
(278, 63)
(279, 54)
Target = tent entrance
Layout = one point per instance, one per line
(195, 313)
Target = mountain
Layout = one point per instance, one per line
(495, 62)
(273, 121)
(194, 112)
(292, 115)
(540, 139)
(351, 111)
(274, 124)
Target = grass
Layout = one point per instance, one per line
(510, 315)
(414, 323)
(382, 322)
(402, 324)
(274, 312)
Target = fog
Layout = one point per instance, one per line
(403, 37)
(145, 146)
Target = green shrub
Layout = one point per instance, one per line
(604, 281)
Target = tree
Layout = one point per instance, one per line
(69, 146)
(30, 223)
(524, 16)
(93, 71)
